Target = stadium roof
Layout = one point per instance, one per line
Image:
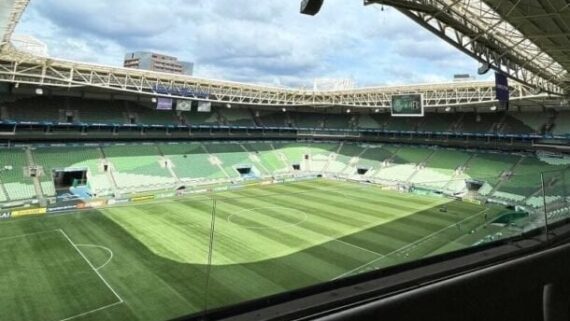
(27, 68)
(10, 13)
(526, 39)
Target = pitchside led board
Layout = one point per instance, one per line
(411, 105)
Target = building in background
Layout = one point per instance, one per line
(157, 62)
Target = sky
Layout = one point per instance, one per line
(266, 42)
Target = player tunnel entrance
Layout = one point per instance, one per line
(67, 178)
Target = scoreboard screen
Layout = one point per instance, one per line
(408, 105)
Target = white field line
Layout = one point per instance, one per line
(67, 237)
(92, 311)
(409, 245)
(92, 267)
(358, 247)
(106, 249)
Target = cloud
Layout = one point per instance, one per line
(249, 40)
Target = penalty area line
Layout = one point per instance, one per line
(104, 248)
(98, 274)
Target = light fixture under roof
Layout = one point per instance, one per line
(284, 109)
(229, 106)
(448, 109)
(348, 111)
(493, 108)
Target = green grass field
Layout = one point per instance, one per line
(148, 261)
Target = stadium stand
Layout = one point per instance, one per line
(562, 123)
(439, 122)
(269, 161)
(489, 166)
(403, 124)
(525, 179)
(42, 109)
(138, 166)
(366, 121)
(410, 155)
(60, 158)
(294, 152)
(190, 161)
(321, 155)
(236, 117)
(477, 123)
(346, 158)
(154, 166)
(270, 119)
(525, 123)
(17, 185)
(309, 120)
(375, 155)
(92, 111)
(231, 156)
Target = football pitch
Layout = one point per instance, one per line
(148, 261)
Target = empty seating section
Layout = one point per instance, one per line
(237, 117)
(447, 160)
(374, 156)
(154, 166)
(308, 120)
(440, 170)
(12, 168)
(411, 155)
(138, 165)
(535, 120)
(199, 118)
(526, 178)
(320, 155)
(477, 123)
(268, 159)
(396, 173)
(92, 111)
(403, 123)
(190, 161)
(438, 122)
(231, 156)
(272, 119)
(294, 152)
(151, 117)
(365, 121)
(562, 124)
(48, 188)
(489, 166)
(431, 178)
(52, 158)
(89, 110)
(337, 121)
(523, 124)
(348, 152)
(35, 109)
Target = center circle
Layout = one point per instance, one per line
(263, 217)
